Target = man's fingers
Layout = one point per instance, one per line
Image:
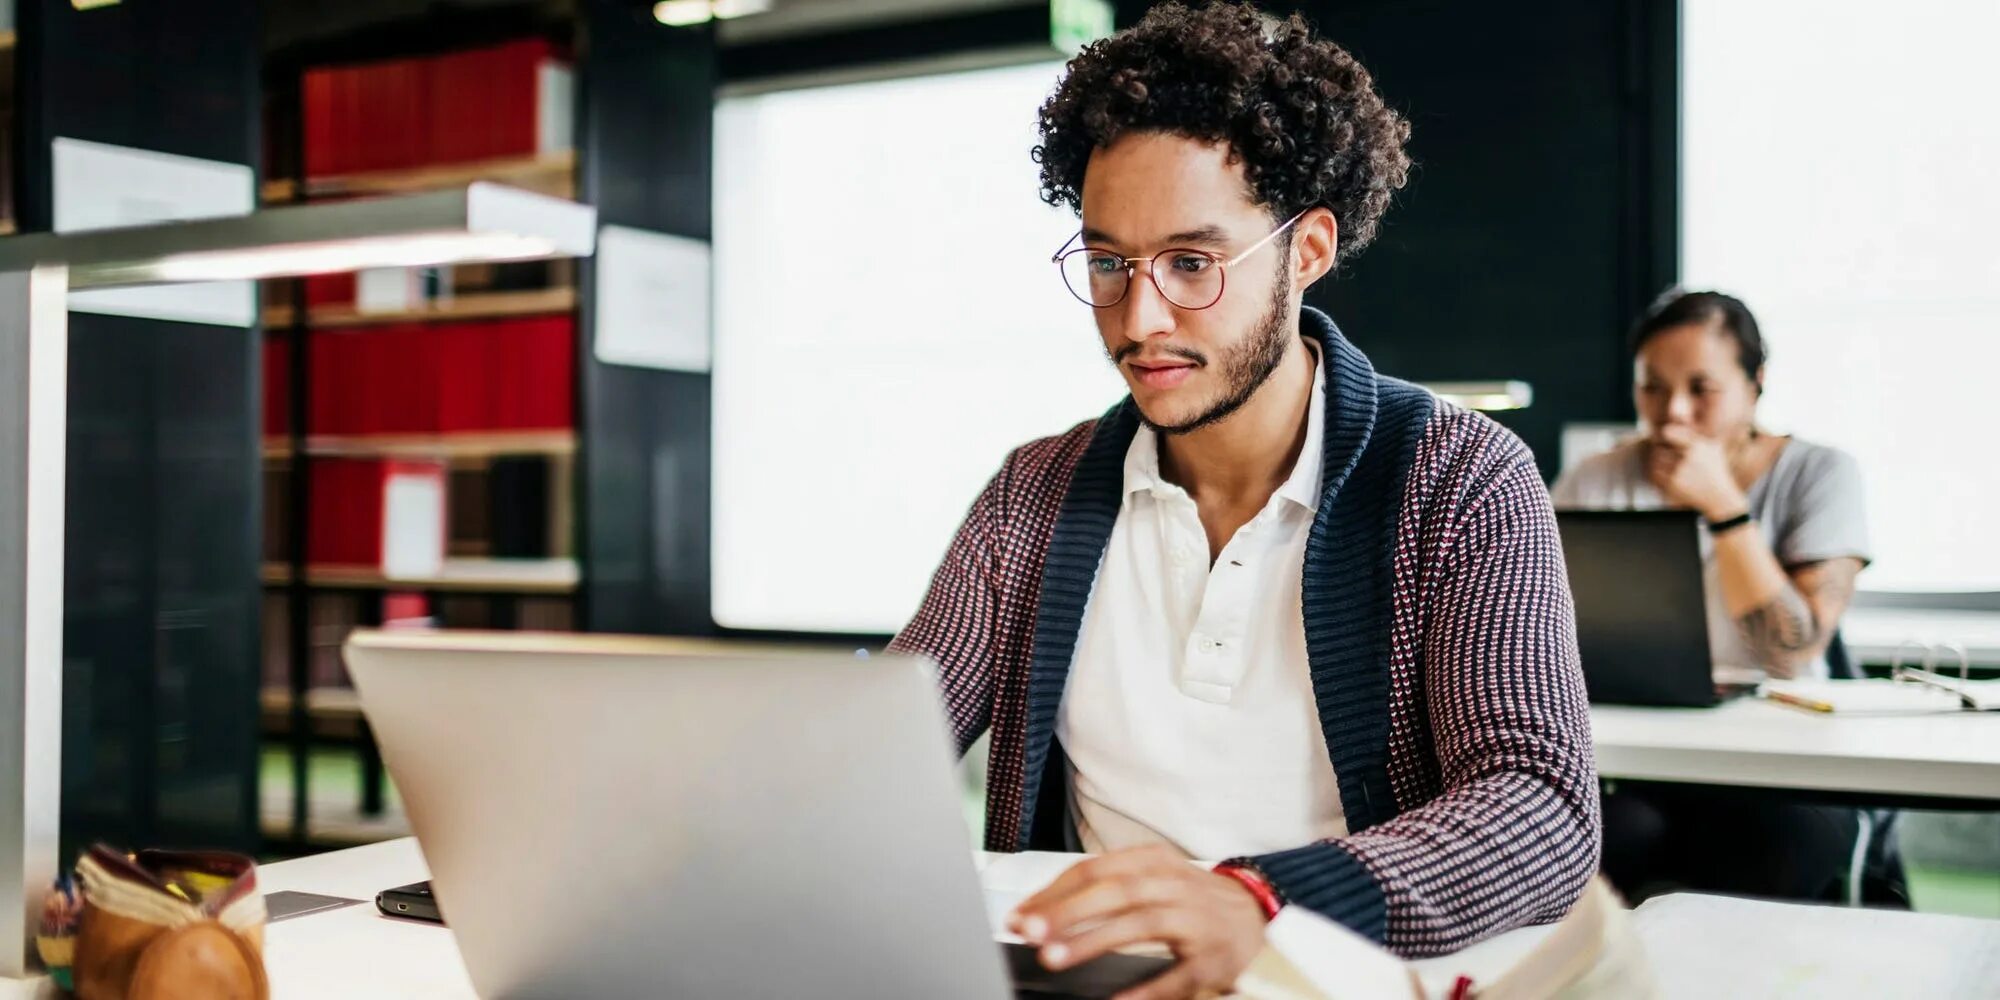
(1098, 901)
(1178, 983)
(1139, 925)
(1033, 919)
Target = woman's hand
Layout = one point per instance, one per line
(1694, 471)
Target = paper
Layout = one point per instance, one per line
(1869, 697)
(99, 186)
(1711, 946)
(1010, 878)
(413, 518)
(652, 300)
(1308, 957)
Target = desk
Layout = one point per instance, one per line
(356, 952)
(1954, 757)
(1877, 635)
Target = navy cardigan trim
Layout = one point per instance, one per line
(1372, 429)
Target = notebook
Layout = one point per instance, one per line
(1885, 697)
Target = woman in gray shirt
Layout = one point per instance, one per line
(1786, 529)
(1786, 537)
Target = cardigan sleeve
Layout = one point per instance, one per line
(1514, 836)
(955, 625)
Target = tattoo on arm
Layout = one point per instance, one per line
(1781, 628)
(1797, 623)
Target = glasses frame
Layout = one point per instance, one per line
(1064, 252)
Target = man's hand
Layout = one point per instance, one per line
(1694, 471)
(1211, 923)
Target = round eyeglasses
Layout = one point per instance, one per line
(1187, 277)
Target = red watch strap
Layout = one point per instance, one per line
(1267, 897)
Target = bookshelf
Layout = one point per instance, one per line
(473, 305)
(465, 446)
(549, 173)
(602, 526)
(461, 575)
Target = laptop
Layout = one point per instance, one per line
(1641, 607)
(612, 816)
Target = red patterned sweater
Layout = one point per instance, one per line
(1439, 633)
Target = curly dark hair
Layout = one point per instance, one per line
(1299, 112)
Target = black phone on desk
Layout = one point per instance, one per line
(413, 901)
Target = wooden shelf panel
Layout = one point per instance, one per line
(470, 306)
(321, 703)
(463, 575)
(553, 173)
(458, 445)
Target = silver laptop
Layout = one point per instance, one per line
(610, 816)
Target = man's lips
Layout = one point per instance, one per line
(1161, 373)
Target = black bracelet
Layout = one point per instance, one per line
(1721, 527)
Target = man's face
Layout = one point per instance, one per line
(1187, 368)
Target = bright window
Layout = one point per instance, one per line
(1842, 175)
(887, 327)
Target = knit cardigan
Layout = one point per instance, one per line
(1439, 634)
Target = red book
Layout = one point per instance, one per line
(464, 384)
(325, 405)
(316, 99)
(380, 514)
(533, 371)
(330, 289)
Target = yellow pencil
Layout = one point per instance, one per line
(1809, 704)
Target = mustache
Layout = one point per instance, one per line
(1183, 353)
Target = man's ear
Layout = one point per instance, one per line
(1316, 238)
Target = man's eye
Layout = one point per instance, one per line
(1105, 263)
(1192, 263)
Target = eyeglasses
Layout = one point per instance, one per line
(1190, 279)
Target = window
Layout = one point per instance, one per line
(887, 327)
(1842, 176)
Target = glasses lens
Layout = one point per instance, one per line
(1096, 277)
(1188, 278)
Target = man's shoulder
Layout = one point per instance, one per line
(1045, 464)
(1468, 446)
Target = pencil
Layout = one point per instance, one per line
(1809, 704)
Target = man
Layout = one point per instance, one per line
(1273, 607)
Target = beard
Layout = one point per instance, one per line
(1246, 366)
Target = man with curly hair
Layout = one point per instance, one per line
(1273, 607)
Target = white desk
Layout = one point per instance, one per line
(355, 952)
(1878, 635)
(1754, 742)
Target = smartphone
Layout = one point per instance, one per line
(413, 901)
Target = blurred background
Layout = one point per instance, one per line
(821, 311)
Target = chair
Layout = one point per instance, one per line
(1875, 871)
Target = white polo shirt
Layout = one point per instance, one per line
(1189, 717)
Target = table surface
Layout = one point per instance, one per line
(1754, 742)
(356, 951)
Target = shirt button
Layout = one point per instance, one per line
(1208, 645)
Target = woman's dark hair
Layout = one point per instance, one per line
(1299, 112)
(1679, 308)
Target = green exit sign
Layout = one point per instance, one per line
(1074, 24)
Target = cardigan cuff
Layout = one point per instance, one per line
(1326, 879)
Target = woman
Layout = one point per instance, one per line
(1785, 537)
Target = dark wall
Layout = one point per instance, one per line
(1540, 216)
(645, 118)
(161, 589)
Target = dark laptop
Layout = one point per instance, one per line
(1641, 612)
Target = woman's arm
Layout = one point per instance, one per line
(1786, 616)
